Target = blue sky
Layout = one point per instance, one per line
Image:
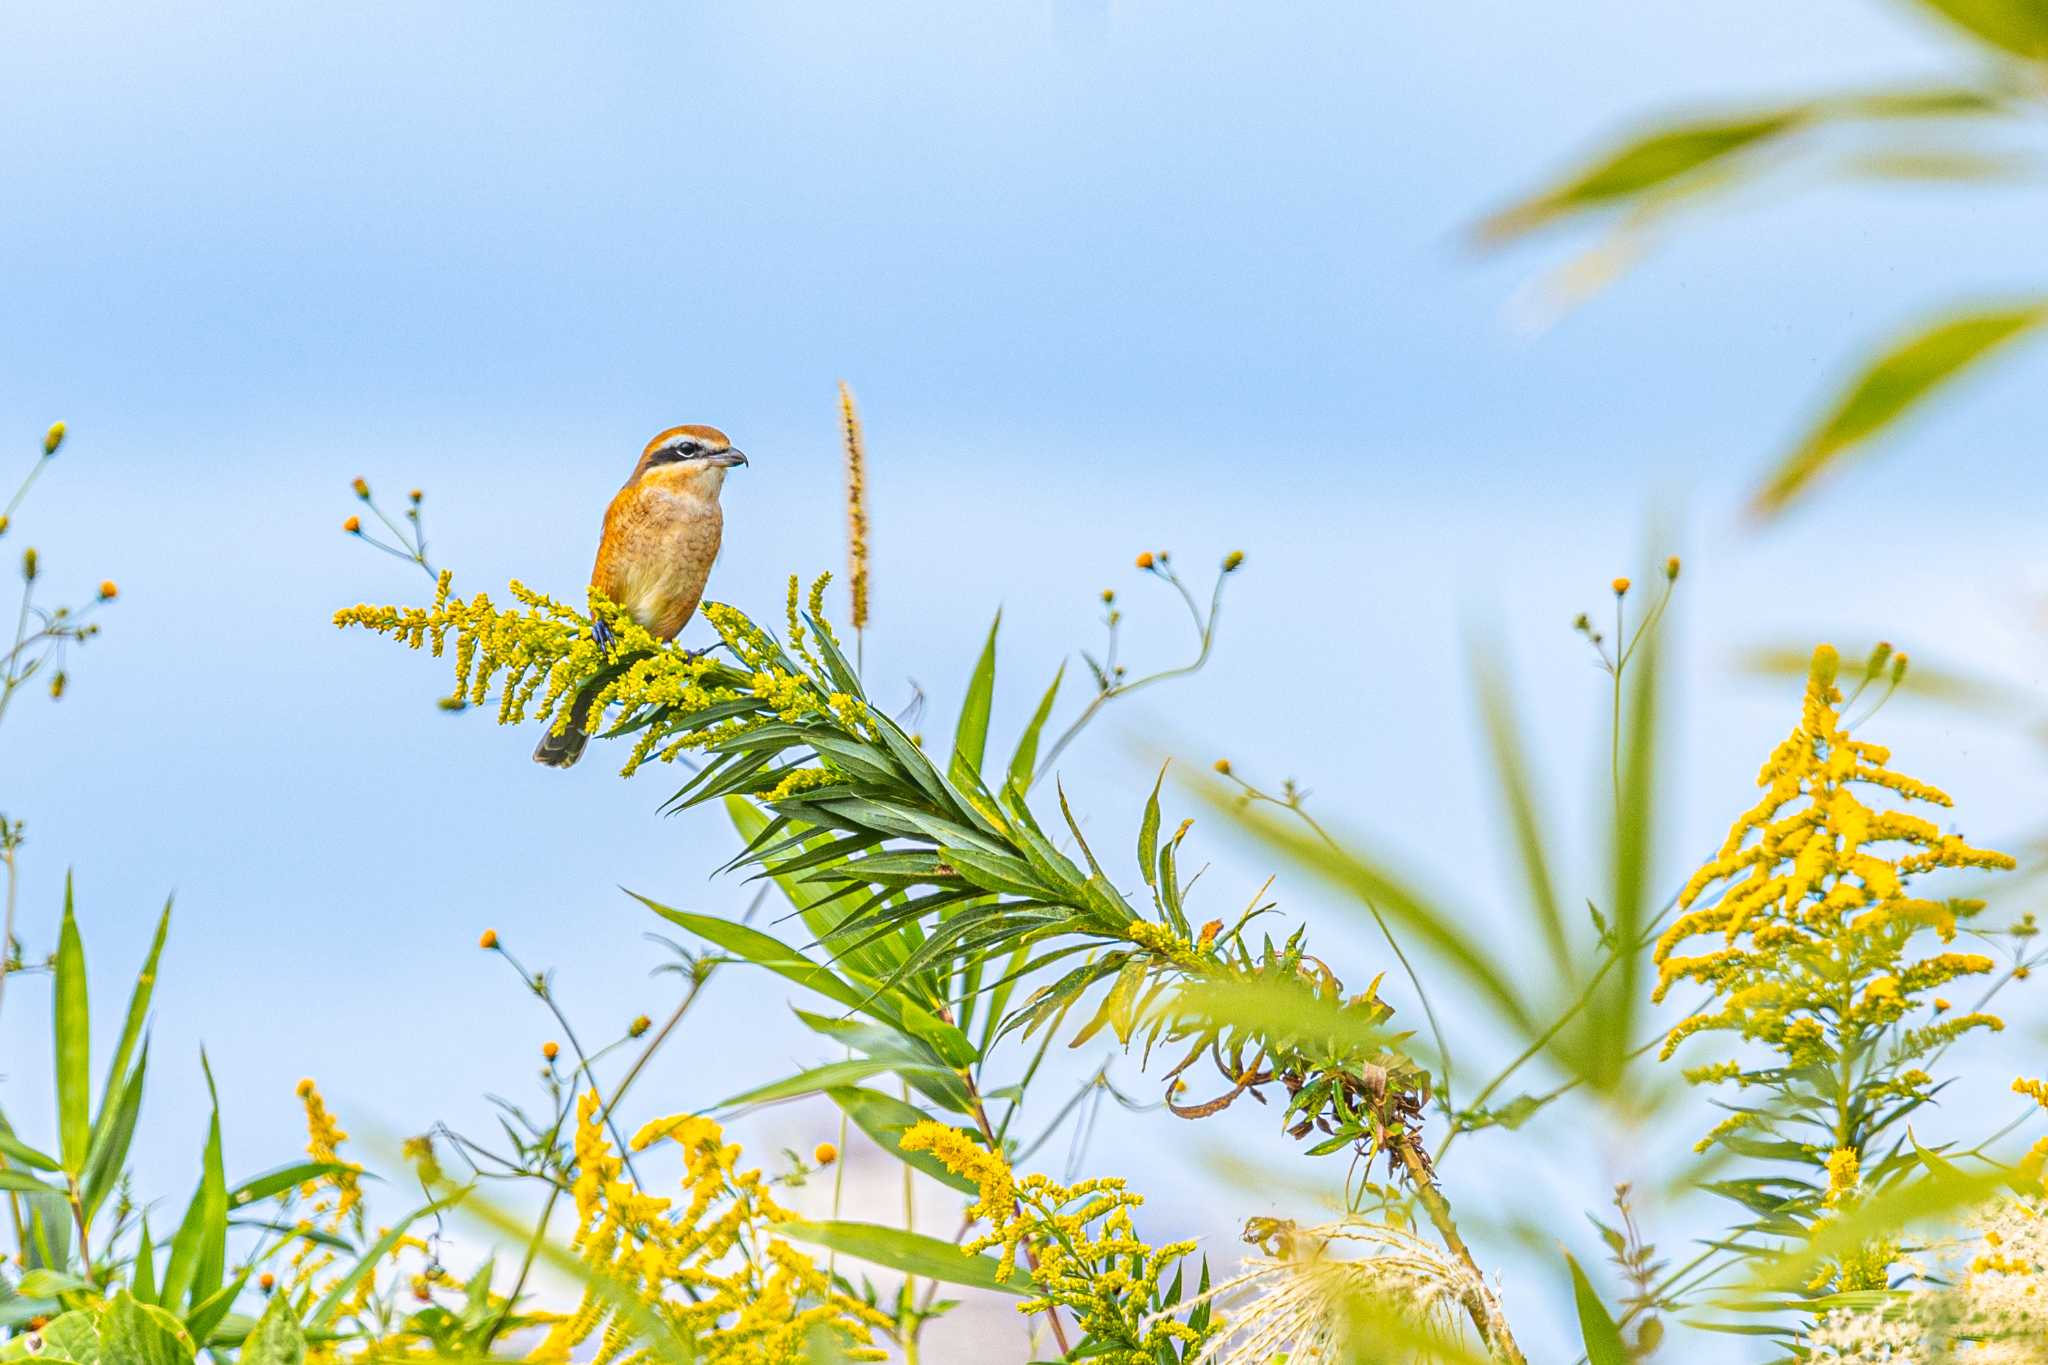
(1106, 277)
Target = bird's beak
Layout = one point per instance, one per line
(726, 459)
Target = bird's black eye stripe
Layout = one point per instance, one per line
(681, 450)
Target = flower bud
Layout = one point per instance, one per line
(53, 438)
(825, 1154)
(551, 1049)
(1825, 666)
(1620, 586)
(1233, 561)
(57, 685)
(28, 564)
(362, 488)
(1671, 568)
(1223, 766)
(108, 590)
(1145, 560)
(488, 939)
(354, 526)
(639, 1026)
(415, 495)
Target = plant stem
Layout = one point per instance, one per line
(1494, 1332)
(1052, 1312)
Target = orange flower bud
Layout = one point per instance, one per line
(1620, 586)
(354, 526)
(1145, 560)
(1223, 766)
(108, 592)
(266, 1282)
(1671, 568)
(362, 488)
(488, 939)
(551, 1049)
(825, 1154)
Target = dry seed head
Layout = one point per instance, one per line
(856, 506)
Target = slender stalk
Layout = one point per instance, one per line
(1494, 1332)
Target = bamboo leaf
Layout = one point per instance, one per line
(970, 737)
(1651, 162)
(112, 1136)
(1596, 1328)
(828, 1076)
(1902, 377)
(138, 1010)
(199, 1250)
(72, 1029)
(912, 1253)
(2018, 26)
(885, 1119)
(1025, 761)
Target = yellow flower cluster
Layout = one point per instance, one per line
(1089, 1258)
(743, 1296)
(1814, 918)
(546, 663)
(324, 1137)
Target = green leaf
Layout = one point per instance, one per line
(1652, 162)
(273, 1183)
(885, 1119)
(1596, 1328)
(763, 951)
(1510, 767)
(209, 1312)
(112, 1135)
(1902, 377)
(912, 1253)
(199, 1250)
(1025, 760)
(77, 1336)
(48, 1284)
(142, 1334)
(276, 1339)
(970, 737)
(2018, 26)
(72, 1027)
(14, 1149)
(27, 1184)
(138, 1013)
(827, 1076)
(1148, 834)
(142, 1280)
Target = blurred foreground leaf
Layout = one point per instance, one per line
(1893, 384)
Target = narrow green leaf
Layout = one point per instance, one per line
(913, 1253)
(1148, 834)
(1503, 734)
(112, 1135)
(2018, 26)
(138, 1011)
(763, 950)
(828, 1076)
(338, 1293)
(27, 1184)
(1649, 163)
(72, 1029)
(142, 1279)
(199, 1249)
(1903, 376)
(270, 1184)
(970, 737)
(1596, 1328)
(1024, 762)
(885, 1119)
(14, 1149)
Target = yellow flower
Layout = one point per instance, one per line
(108, 590)
(1621, 586)
(551, 1049)
(488, 939)
(53, 438)
(1145, 560)
(825, 1154)
(353, 525)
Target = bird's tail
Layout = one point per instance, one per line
(561, 748)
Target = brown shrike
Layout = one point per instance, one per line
(661, 534)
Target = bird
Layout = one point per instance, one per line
(661, 534)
